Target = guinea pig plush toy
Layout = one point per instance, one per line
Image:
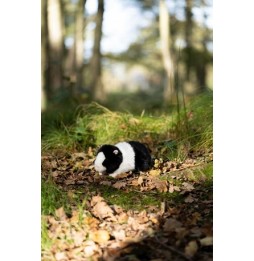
(122, 157)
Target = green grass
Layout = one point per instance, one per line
(173, 135)
(46, 242)
(96, 125)
(52, 198)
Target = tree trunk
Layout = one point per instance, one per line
(79, 43)
(55, 45)
(188, 36)
(43, 55)
(164, 20)
(96, 81)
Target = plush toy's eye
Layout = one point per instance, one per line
(115, 152)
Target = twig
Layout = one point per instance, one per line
(173, 249)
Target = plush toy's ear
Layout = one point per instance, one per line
(115, 152)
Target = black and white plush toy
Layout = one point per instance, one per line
(122, 157)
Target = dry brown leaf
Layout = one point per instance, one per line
(176, 188)
(134, 183)
(119, 234)
(55, 173)
(96, 199)
(171, 224)
(53, 164)
(154, 172)
(90, 248)
(161, 185)
(122, 218)
(60, 213)
(171, 188)
(102, 210)
(140, 180)
(77, 155)
(191, 249)
(206, 241)
(119, 184)
(118, 209)
(60, 256)
(123, 175)
(189, 199)
(196, 232)
(69, 182)
(106, 183)
(100, 236)
(154, 218)
(78, 238)
(188, 186)
(92, 222)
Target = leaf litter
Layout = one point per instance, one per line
(178, 229)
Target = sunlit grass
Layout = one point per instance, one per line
(52, 198)
(172, 135)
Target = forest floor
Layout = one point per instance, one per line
(162, 214)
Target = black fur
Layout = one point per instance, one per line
(143, 159)
(112, 161)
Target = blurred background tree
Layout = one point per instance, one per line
(167, 51)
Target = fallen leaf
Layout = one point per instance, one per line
(78, 238)
(123, 175)
(90, 248)
(60, 213)
(196, 232)
(140, 180)
(171, 188)
(119, 184)
(171, 224)
(119, 234)
(96, 199)
(102, 210)
(123, 218)
(78, 155)
(69, 182)
(154, 172)
(206, 241)
(55, 173)
(161, 185)
(176, 188)
(106, 183)
(188, 186)
(60, 256)
(100, 236)
(189, 199)
(191, 249)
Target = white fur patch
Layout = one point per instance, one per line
(128, 159)
(98, 162)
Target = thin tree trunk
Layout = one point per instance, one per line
(55, 44)
(203, 69)
(188, 36)
(43, 55)
(164, 20)
(96, 81)
(79, 43)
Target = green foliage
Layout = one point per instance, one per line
(52, 198)
(96, 125)
(175, 135)
(192, 128)
(45, 240)
(112, 127)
